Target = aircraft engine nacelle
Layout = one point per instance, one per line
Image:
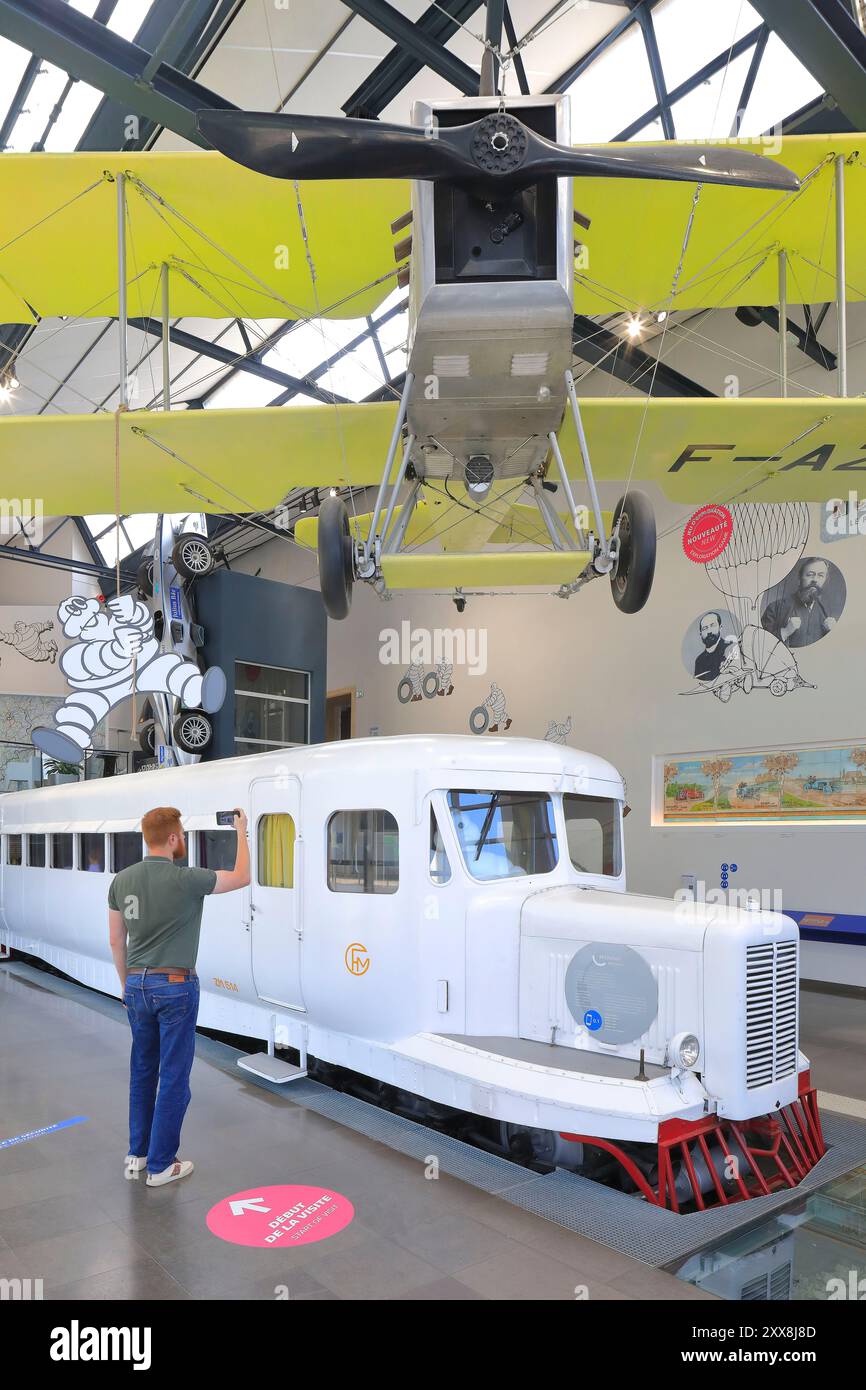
(492, 298)
(702, 988)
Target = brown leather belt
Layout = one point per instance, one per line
(161, 970)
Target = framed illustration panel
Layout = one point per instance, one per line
(802, 784)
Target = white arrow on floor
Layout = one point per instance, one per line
(248, 1204)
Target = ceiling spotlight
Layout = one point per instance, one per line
(661, 315)
(634, 328)
(8, 384)
(333, 492)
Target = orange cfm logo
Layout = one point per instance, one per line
(357, 959)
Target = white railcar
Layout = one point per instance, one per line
(449, 917)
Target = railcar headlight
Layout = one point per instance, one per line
(685, 1050)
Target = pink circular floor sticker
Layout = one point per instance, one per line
(280, 1216)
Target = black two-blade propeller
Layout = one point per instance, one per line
(496, 153)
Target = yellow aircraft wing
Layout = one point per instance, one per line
(639, 228)
(232, 238)
(235, 245)
(231, 461)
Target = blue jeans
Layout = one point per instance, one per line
(162, 1017)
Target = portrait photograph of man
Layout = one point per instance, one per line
(717, 646)
(806, 604)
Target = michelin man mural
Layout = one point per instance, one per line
(30, 641)
(112, 650)
(494, 708)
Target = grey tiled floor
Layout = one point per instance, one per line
(833, 1037)
(68, 1217)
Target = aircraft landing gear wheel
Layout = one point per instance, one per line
(192, 556)
(336, 569)
(430, 685)
(479, 719)
(147, 740)
(193, 731)
(778, 687)
(632, 576)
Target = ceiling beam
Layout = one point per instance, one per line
(629, 363)
(387, 80)
(825, 37)
(88, 51)
(717, 64)
(414, 40)
(64, 562)
(229, 358)
(806, 338)
(654, 58)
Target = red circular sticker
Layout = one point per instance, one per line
(707, 532)
(280, 1216)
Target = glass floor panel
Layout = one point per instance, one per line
(814, 1250)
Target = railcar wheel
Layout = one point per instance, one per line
(632, 576)
(336, 568)
(193, 731)
(192, 556)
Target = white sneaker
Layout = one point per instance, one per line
(181, 1168)
(132, 1166)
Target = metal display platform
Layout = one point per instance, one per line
(646, 1233)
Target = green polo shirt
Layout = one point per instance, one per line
(161, 904)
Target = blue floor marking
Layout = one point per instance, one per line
(38, 1133)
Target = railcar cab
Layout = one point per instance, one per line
(494, 839)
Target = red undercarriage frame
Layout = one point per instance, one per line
(779, 1151)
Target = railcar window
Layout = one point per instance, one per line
(363, 852)
(440, 869)
(62, 851)
(14, 848)
(505, 834)
(217, 849)
(36, 851)
(125, 849)
(592, 827)
(276, 848)
(91, 853)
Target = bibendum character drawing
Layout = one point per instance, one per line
(113, 651)
(29, 640)
(494, 708)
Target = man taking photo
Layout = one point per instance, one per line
(154, 921)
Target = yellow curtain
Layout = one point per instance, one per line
(276, 851)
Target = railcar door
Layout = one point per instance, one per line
(276, 889)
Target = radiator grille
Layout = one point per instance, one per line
(771, 1012)
(774, 1289)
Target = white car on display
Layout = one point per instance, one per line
(445, 919)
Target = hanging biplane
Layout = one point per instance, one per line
(473, 487)
(489, 378)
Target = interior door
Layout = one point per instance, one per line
(275, 890)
